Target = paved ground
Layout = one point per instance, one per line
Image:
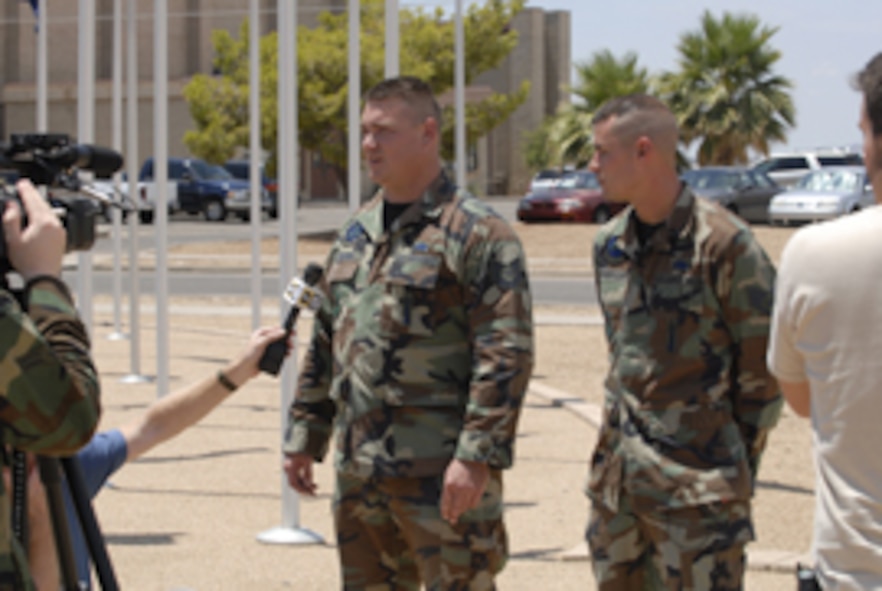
(187, 515)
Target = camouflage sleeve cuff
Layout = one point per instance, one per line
(475, 446)
(300, 439)
(45, 294)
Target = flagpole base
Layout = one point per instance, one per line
(290, 536)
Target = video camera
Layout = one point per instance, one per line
(51, 159)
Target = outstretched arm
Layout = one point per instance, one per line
(183, 408)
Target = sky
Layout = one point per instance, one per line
(823, 43)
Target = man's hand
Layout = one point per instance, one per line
(464, 485)
(37, 249)
(299, 469)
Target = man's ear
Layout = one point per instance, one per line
(644, 146)
(430, 129)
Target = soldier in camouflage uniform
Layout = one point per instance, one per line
(48, 385)
(419, 360)
(686, 295)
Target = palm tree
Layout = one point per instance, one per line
(604, 77)
(726, 94)
(565, 138)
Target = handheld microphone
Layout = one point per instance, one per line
(299, 294)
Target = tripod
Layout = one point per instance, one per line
(50, 474)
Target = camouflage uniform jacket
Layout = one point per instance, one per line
(689, 401)
(423, 347)
(49, 393)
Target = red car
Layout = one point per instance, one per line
(576, 197)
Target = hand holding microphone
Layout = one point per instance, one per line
(299, 294)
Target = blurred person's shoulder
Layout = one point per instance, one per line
(849, 235)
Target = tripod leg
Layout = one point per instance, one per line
(78, 492)
(51, 478)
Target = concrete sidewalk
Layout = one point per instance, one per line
(186, 516)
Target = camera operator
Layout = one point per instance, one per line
(49, 390)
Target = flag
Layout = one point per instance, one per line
(33, 4)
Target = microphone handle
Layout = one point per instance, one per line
(290, 319)
(274, 354)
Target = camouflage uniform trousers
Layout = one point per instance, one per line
(692, 549)
(390, 536)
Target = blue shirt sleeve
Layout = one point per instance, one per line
(101, 457)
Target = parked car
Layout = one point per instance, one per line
(142, 201)
(823, 194)
(241, 169)
(787, 169)
(544, 180)
(576, 197)
(206, 188)
(743, 191)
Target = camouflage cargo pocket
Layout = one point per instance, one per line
(678, 304)
(341, 277)
(409, 303)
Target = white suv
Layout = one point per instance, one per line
(787, 169)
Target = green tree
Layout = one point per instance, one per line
(219, 103)
(565, 137)
(605, 76)
(726, 94)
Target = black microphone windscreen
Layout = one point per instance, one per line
(312, 274)
(103, 161)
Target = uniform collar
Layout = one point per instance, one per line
(428, 205)
(677, 227)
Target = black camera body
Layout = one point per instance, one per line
(52, 160)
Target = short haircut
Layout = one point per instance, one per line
(869, 82)
(638, 115)
(410, 89)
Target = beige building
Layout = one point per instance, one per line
(542, 57)
(496, 164)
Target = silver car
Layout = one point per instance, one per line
(822, 195)
(788, 169)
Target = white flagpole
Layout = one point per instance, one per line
(85, 135)
(290, 531)
(392, 39)
(132, 95)
(115, 213)
(160, 175)
(42, 68)
(459, 97)
(354, 105)
(255, 154)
